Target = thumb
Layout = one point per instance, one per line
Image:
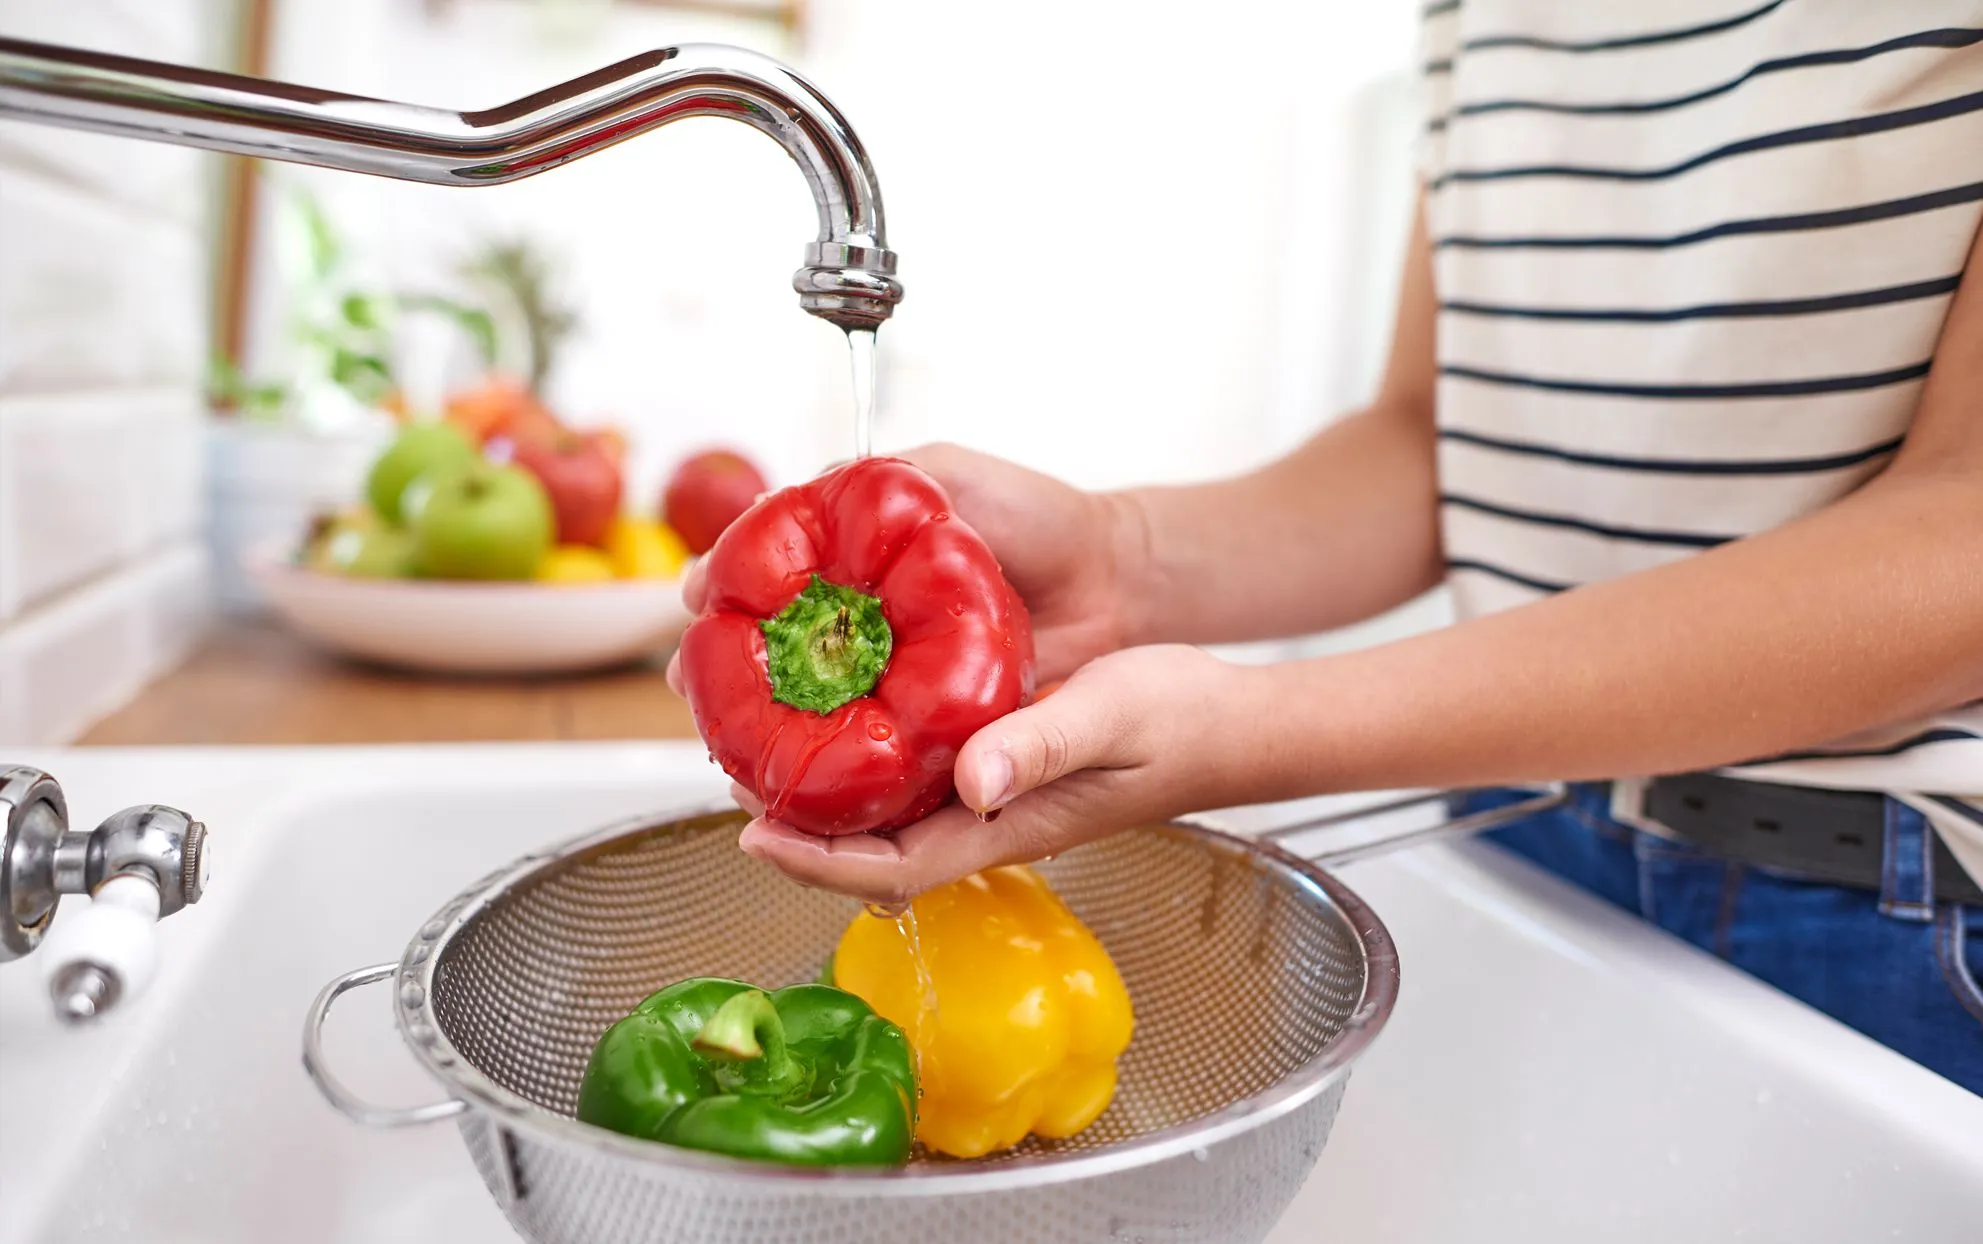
(1084, 726)
(695, 585)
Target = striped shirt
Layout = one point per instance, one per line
(1692, 261)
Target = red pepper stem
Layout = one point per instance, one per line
(833, 644)
(827, 647)
(745, 1027)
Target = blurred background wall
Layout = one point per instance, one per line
(104, 278)
(1141, 242)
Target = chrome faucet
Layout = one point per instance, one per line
(849, 273)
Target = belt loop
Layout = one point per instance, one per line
(1907, 864)
(1628, 807)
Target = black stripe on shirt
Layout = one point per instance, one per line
(1962, 808)
(1763, 388)
(1942, 735)
(1853, 127)
(1946, 37)
(1718, 310)
(1863, 214)
(1520, 580)
(1439, 6)
(1625, 41)
(1687, 539)
(1678, 466)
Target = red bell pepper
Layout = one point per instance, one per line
(855, 634)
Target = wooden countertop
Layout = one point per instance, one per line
(252, 682)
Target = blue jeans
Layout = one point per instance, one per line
(1898, 966)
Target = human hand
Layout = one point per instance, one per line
(1137, 736)
(1069, 554)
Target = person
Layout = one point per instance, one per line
(1685, 404)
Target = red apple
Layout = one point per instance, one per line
(707, 493)
(583, 479)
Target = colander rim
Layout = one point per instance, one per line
(422, 1033)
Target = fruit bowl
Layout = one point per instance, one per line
(473, 628)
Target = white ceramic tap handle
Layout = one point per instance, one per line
(106, 953)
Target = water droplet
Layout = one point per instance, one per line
(412, 995)
(161, 1118)
(1202, 1155)
(1006, 642)
(433, 928)
(958, 609)
(941, 516)
(886, 911)
(1762, 1096)
(880, 731)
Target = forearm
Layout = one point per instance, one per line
(1865, 614)
(1343, 528)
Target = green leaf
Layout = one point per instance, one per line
(326, 251)
(361, 311)
(364, 376)
(229, 390)
(474, 321)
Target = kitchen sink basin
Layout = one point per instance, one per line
(1555, 1070)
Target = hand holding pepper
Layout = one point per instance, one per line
(851, 635)
(1135, 736)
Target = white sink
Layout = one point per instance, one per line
(1556, 1071)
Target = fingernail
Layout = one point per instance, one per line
(998, 780)
(989, 817)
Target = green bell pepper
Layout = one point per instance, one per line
(807, 1075)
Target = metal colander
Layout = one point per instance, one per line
(1256, 978)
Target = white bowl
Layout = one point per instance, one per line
(475, 628)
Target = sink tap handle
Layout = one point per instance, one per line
(139, 866)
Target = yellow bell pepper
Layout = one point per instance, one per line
(1017, 1017)
(574, 563)
(643, 549)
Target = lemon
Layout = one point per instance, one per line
(641, 548)
(575, 563)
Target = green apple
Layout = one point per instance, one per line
(482, 521)
(358, 542)
(420, 449)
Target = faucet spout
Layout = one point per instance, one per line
(849, 273)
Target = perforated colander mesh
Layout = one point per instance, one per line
(1239, 969)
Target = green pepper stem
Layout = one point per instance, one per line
(745, 1027)
(827, 647)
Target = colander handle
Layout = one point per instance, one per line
(1545, 798)
(346, 1102)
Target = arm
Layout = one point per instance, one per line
(1866, 613)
